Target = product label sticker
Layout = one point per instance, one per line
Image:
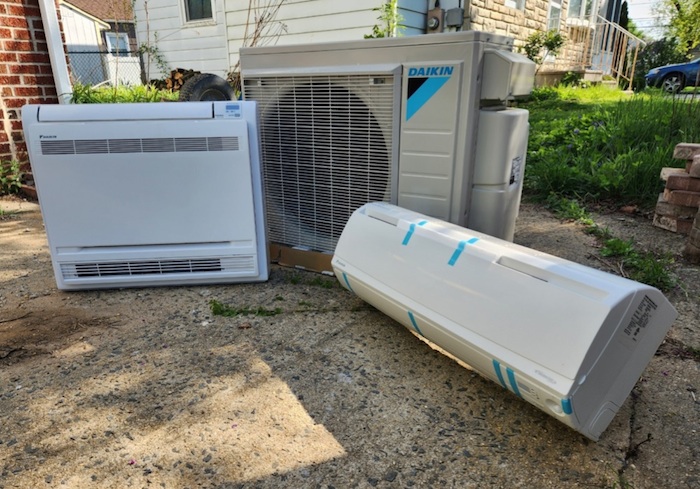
(634, 331)
(516, 168)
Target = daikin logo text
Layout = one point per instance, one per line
(431, 71)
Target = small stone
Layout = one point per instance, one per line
(391, 476)
(207, 458)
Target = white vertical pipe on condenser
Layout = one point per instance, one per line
(57, 54)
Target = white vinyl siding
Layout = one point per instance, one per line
(213, 47)
(81, 32)
(199, 45)
(307, 21)
(413, 13)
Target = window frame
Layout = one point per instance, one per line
(554, 4)
(114, 46)
(185, 10)
(516, 4)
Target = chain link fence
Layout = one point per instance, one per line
(106, 68)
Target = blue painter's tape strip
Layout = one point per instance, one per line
(347, 282)
(414, 323)
(411, 230)
(513, 383)
(460, 249)
(499, 374)
(566, 406)
(423, 94)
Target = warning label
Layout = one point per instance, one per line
(637, 325)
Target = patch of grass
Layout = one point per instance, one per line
(219, 309)
(599, 144)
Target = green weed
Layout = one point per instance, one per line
(569, 209)
(297, 278)
(10, 177)
(322, 282)
(219, 309)
(643, 267)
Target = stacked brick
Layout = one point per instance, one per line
(678, 204)
(25, 71)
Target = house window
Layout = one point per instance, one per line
(554, 16)
(580, 9)
(117, 43)
(198, 10)
(519, 4)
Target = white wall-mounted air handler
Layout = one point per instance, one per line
(418, 121)
(567, 338)
(149, 194)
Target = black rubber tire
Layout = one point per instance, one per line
(673, 83)
(206, 87)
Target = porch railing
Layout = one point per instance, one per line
(604, 47)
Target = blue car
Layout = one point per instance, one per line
(674, 78)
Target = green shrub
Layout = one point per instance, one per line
(10, 177)
(544, 93)
(86, 94)
(571, 79)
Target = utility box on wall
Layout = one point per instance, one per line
(394, 119)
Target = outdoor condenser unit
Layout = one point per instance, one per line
(567, 338)
(149, 194)
(418, 121)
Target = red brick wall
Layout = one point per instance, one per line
(25, 71)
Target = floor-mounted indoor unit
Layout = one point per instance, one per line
(149, 194)
(418, 121)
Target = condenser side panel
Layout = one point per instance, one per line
(430, 106)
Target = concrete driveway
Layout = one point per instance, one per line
(146, 388)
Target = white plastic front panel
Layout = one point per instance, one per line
(146, 198)
(570, 339)
(153, 200)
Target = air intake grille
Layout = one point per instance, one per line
(326, 150)
(147, 145)
(242, 263)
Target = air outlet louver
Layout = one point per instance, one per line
(326, 150)
(242, 263)
(146, 145)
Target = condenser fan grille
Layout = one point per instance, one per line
(326, 150)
